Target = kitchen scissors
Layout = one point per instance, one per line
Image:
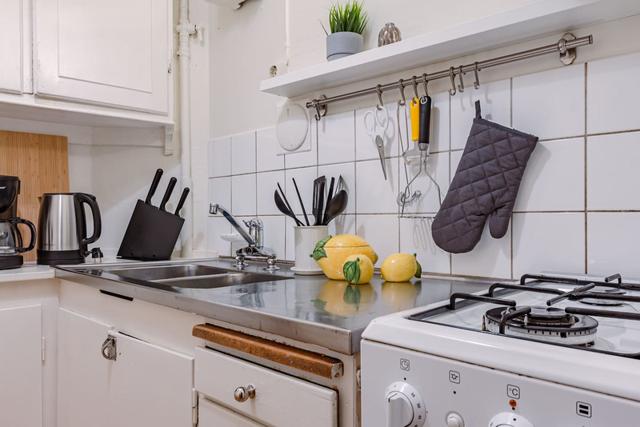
(376, 122)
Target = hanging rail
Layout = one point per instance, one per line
(566, 47)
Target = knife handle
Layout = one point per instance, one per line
(183, 197)
(154, 186)
(167, 194)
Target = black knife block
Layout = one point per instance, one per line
(151, 234)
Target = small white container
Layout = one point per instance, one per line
(305, 241)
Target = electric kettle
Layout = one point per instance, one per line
(62, 227)
(11, 242)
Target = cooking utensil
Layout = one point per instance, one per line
(318, 198)
(425, 123)
(414, 115)
(154, 186)
(183, 198)
(321, 202)
(286, 201)
(342, 185)
(304, 211)
(282, 207)
(336, 206)
(329, 197)
(167, 193)
(376, 123)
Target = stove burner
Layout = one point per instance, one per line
(605, 302)
(549, 324)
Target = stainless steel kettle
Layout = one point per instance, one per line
(62, 227)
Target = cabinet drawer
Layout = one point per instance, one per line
(279, 400)
(210, 414)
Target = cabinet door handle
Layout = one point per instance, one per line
(109, 350)
(242, 394)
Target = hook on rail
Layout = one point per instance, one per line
(321, 108)
(452, 77)
(461, 84)
(403, 98)
(380, 105)
(476, 82)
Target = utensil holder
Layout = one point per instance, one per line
(306, 238)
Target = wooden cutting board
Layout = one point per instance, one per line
(42, 164)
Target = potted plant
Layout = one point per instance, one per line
(347, 23)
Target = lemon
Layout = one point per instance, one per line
(357, 269)
(400, 267)
(331, 252)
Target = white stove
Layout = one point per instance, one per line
(550, 351)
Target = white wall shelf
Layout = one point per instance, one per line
(535, 19)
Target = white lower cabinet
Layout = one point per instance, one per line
(210, 414)
(146, 385)
(21, 366)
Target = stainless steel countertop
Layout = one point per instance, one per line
(310, 309)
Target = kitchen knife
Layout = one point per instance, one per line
(183, 198)
(154, 186)
(167, 194)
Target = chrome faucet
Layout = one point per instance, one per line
(254, 239)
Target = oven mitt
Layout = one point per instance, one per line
(484, 187)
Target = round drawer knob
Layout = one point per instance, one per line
(242, 394)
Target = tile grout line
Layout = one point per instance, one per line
(586, 192)
(511, 255)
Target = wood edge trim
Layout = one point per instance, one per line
(282, 354)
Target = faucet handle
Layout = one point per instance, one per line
(272, 264)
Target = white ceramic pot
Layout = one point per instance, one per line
(343, 44)
(305, 241)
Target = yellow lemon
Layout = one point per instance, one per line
(343, 299)
(400, 267)
(331, 252)
(357, 269)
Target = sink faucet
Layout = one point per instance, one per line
(254, 239)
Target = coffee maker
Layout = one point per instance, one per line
(11, 240)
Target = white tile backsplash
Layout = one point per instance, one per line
(243, 194)
(304, 179)
(495, 103)
(440, 114)
(613, 93)
(548, 242)
(612, 243)
(243, 153)
(336, 138)
(269, 153)
(557, 166)
(374, 194)
(381, 231)
(415, 237)
(220, 157)
(216, 227)
(348, 172)
(274, 234)
(550, 104)
(490, 258)
(267, 183)
(220, 191)
(307, 154)
(613, 172)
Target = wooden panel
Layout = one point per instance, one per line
(42, 164)
(293, 357)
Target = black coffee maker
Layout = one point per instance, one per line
(11, 240)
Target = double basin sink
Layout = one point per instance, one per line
(193, 276)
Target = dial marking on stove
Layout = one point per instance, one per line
(454, 377)
(513, 391)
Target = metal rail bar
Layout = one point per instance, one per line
(565, 47)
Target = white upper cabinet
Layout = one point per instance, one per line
(114, 53)
(15, 46)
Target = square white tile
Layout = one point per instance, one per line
(495, 103)
(274, 234)
(344, 224)
(220, 157)
(307, 154)
(365, 144)
(267, 183)
(454, 162)
(613, 93)
(220, 191)
(431, 198)
(554, 177)
(612, 244)
(548, 242)
(336, 138)
(415, 237)
(243, 153)
(217, 226)
(612, 171)
(348, 172)
(490, 258)
(243, 194)
(373, 193)
(440, 122)
(270, 155)
(550, 104)
(304, 178)
(381, 231)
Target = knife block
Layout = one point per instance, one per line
(151, 234)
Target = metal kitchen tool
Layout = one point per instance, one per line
(376, 123)
(304, 211)
(318, 199)
(329, 197)
(336, 206)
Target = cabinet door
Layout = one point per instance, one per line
(15, 42)
(112, 53)
(150, 386)
(21, 366)
(210, 414)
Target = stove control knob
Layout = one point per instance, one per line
(454, 420)
(509, 419)
(404, 406)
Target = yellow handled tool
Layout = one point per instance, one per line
(414, 115)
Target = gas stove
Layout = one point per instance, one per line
(551, 350)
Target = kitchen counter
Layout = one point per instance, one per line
(311, 309)
(27, 272)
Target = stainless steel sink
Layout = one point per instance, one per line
(192, 276)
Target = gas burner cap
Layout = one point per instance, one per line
(605, 302)
(548, 324)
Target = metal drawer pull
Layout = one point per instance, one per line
(109, 350)
(242, 394)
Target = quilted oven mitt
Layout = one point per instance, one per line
(485, 185)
